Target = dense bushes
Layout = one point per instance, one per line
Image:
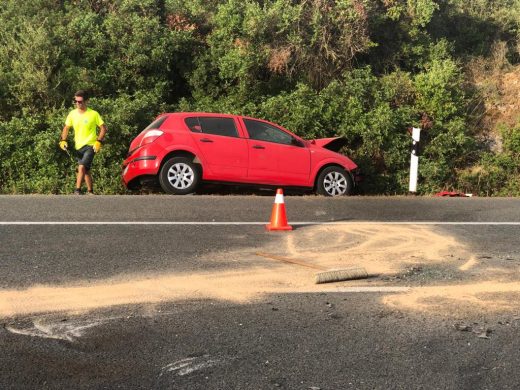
(497, 173)
(363, 69)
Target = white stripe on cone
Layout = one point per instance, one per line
(278, 198)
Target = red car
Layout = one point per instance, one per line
(180, 150)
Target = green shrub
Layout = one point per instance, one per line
(496, 174)
(365, 70)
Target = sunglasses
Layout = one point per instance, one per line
(79, 101)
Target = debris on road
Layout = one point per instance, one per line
(453, 194)
(483, 334)
(480, 332)
(463, 327)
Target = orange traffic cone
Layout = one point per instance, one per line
(278, 217)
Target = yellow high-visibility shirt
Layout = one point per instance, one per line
(84, 125)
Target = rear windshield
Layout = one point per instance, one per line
(156, 123)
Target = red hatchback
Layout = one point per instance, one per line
(180, 150)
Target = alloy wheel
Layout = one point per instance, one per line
(335, 183)
(180, 176)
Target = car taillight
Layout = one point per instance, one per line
(150, 136)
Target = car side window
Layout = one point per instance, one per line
(217, 126)
(264, 132)
(193, 124)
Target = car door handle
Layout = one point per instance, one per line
(206, 140)
(258, 147)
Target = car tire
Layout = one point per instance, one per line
(334, 181)
(179, 176)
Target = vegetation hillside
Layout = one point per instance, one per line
(363, 69)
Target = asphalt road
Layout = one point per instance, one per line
(164, 292)
(256, 208)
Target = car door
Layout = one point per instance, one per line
(224, 151)
(276, 156)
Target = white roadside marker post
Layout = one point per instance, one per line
(414, 159)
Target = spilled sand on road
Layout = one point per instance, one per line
(382, 250)
(487, 295)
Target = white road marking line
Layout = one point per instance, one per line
(22, 223)
(468, 264)
(375, 289)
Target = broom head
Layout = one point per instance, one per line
(339, 275)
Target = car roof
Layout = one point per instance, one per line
(217, 114)
(193, 113)
(214, 114)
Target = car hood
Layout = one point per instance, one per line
(334, 143)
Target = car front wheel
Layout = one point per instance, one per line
(180, 176)
(334, 181)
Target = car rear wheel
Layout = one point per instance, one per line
(334, 181)
(180, 176)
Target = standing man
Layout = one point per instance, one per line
(85, 122)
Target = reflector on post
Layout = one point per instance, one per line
(414, 159)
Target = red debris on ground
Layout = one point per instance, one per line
(452, 194)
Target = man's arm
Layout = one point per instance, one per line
(65, 133)
(63, 139)
(102, 132)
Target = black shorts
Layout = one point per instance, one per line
(85, 156)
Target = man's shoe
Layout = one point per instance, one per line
(77, 191)
(91, 192)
